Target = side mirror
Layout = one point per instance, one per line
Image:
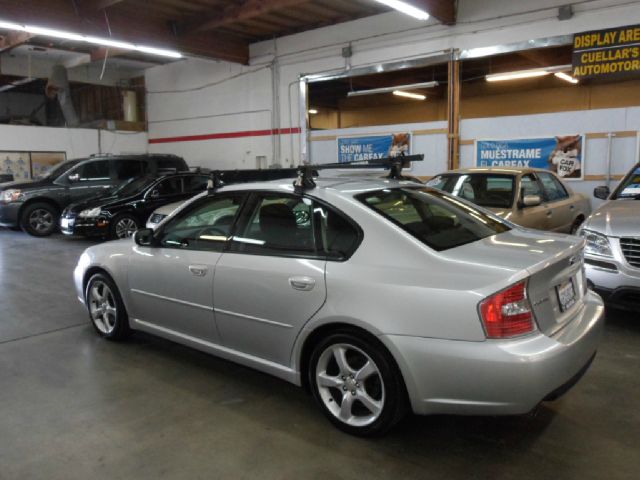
(155, 193)
(74, 178)
(531, 201)
(143, 237)
(601, 192)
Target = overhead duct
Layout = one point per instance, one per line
(58, 87)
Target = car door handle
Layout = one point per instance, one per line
(572, 207)
(198, 270)
(304, 284)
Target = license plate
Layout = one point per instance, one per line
(566, 295)
(66, 223)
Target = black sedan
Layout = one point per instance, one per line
(123, 210)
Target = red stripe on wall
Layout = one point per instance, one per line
(217, 136)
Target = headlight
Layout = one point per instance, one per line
(11, 195)
(92, 212)
(597, 243)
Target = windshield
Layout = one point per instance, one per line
(433, 217)
(630, 186)
(484, 189)
(132, 186)
(54, 171)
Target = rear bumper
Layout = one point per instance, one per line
(10, 214)
(497, 377)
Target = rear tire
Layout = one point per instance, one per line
(107, 312)
(576, 225)
(350, 367)
(39, 219)
(123, 226)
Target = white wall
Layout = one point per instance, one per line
(236, 98)
(76, 142)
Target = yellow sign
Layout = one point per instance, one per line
(607, 53)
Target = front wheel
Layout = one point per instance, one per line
(106, 309)
(357, 384)
(39, 219)
(123, 226)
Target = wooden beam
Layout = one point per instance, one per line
(60, 14)
(442, 10)
(236, 13)
(13, 40)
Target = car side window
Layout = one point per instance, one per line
(167, 187)
(93, 171)
(339, 236)
(554, 190)
(278, 224)
(196, 183)
(126, 169)
(530, 186)
(204, 226)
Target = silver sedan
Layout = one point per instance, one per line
(379, 296)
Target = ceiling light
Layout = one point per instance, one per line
(313, 111)
(414, 96)
(566, 77)
(76, 37)
(405, 8)
(500, 77)
(376, 91)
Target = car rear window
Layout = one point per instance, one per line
(433, 217)
(486, 190)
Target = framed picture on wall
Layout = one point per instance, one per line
(562, 154)
(43, 161)
(16, 164)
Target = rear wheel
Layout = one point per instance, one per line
(576, 225)
(124, 226)
(106, 309)
(39, 219)
(356, 384)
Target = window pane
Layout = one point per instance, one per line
(554, 190)
(431, 216)
(126, 169)
(277, 225)
(196, 184)
(339, 236)
(169, 186)
(92, 171)
(486, 190)
(205, 227)
(631, 187)
(530, 186)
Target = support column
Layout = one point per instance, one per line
(453, 112)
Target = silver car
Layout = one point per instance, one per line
(613, 243)
(379, 296)
(161, 213)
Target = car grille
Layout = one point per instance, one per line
(156, 218)
(631, 250)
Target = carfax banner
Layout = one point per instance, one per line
(373, 147)
(562, 155)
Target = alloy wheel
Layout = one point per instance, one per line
(102, 307)
(125, 228)
(41, 220)
(350, 384)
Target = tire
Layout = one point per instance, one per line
(39, 219)
(576, 225)
(123, 226)
(376, 394)
(107, 312)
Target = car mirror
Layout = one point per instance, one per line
(155, 193)
(602, 192)
(143, 237)
(74, 178)
(531, 200)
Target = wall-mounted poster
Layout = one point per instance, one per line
(373, 147)
(27, 165)
(563, 155)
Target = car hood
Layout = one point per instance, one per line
(104, 202)
(616, 218)
(25, 184)
(516, 250)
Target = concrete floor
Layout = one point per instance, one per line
(73, 406)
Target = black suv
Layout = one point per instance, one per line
(119, 213)
(35, 206)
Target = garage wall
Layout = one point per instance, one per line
(77, 142)
(226, 112)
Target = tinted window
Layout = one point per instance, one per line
(92, 171)
(554, 190)
(530, 186)
(339, 236)
(126, 169)
(431, 216)
(205, 226)
(196, 183)
(630, 188)
(486, 190)
(278, 224)
(169, 186)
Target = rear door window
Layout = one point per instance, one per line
(195, 184)
(486, 190)
(439, 221)
(94, 171)
(169, 186)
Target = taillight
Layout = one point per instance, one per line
(508, 313)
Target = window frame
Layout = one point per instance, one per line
(557, 181)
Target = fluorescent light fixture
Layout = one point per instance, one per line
(566, 77)
(414, 96)
(313, 111)
(405, 8)
(500, 77)
(376, 91)
(76, 37)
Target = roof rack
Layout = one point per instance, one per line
(304, 174)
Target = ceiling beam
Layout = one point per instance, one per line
(60, 14)
(13, 39)
(442, 10)
(235, 13)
